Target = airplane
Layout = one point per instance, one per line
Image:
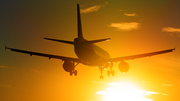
(89, 54)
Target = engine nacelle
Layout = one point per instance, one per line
(68, 66)
(123, 66)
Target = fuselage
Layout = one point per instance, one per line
(90, 54)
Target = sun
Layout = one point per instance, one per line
(124, 91)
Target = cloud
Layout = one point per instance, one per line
(133, 14)
(172, 31)
(91, 9)
(3, 67)
(165, 94)
(167, 85)
(122, 91)
(106, 3)
(97, 82)
(125, 26)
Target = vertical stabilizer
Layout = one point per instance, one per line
(80, 35)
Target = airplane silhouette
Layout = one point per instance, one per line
(90, 54)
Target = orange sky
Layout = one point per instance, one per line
(134, 28)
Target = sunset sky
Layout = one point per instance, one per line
(134, 26)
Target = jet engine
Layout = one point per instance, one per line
(123, 66)
(68, 66)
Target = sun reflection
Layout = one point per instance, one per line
(124, 91)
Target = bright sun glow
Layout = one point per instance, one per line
(124, 91)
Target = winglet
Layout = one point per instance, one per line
(108, 39)
(5, 47)
(174, 48)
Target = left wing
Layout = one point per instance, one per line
(46, 55)
(139, 55)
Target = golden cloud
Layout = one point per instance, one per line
(126, 26)
(171, 29)
(122, 91)
(133, 14)
(91, 9)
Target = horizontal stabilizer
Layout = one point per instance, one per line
(98, 40)
(63, 41)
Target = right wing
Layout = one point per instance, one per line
(46, 55)
(131, 57)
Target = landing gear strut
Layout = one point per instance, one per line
(111, 71)
(101, 69)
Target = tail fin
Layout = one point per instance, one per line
(80, 34)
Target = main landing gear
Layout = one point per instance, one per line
(73, 71)
(111, 71)
(108, 72)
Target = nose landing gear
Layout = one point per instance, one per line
(101, 69)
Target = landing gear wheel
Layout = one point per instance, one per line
(71, 73)
(113, 73)
(108, 73)
(75, 72)
(101, 77)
